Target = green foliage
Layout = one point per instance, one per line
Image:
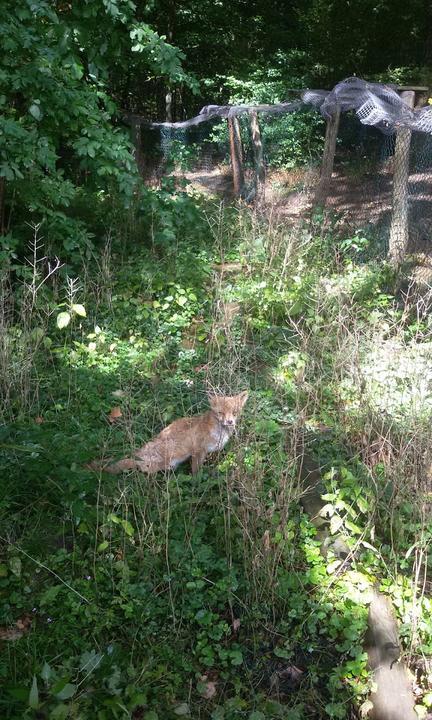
(295, 139)
(184, 570)
(162, 57)
(181, 596)
(56, 129)
(52, 110)
(367, 46)
(288, 140)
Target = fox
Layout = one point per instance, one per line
(189, 437)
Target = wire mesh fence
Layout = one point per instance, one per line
(366, 155)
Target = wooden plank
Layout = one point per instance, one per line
(414, 88)
(328, 158)
(236, 153)
(258, 152)
(392, 696)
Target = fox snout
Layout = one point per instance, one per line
(229, 422)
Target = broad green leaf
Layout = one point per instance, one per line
(114, 518)
(127, 527)
(89, 661)
(3, 570)
(182, 710)
(355, 529)
(410, 551)
(6, 171)
(46, 672)
(335, 524)
(37, 334)
(218, 713)
(281, 652)
(329, 496)
(33, 700)
(333, 566)
(327, 510)
(67, 692)
(236, 657)
(50, 594)
(60, 712)
(362, 504)
(15, 565)
(369, 546)
(79, 310)
(19, 692)
(63, 320)
(427, 699)
(35, 111)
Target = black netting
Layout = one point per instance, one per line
(374, 104)
(382, 174)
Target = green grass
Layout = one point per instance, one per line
(192, 596)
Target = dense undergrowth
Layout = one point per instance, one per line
(208, 597)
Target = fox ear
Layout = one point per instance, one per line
(243, 396)
(212, 399)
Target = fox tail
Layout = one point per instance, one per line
(117, 467)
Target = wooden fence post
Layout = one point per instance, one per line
(323, 186)
(398, 239)
(236, 155)
(258, 152)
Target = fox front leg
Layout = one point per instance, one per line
(197, 461)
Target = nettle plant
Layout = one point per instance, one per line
(346, 501)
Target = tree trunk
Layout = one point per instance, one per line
(398, 240)
(328, 159)
(236, 155)
(168, 106)
(137, 141)
(170, 16)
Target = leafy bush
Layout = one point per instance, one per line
(56, 128)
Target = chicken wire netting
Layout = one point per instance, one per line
(382, 176)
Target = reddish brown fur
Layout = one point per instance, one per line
(193, 437)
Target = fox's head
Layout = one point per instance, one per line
(228, 408)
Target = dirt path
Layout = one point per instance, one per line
(361, 196)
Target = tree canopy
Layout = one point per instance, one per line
(135, 286)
